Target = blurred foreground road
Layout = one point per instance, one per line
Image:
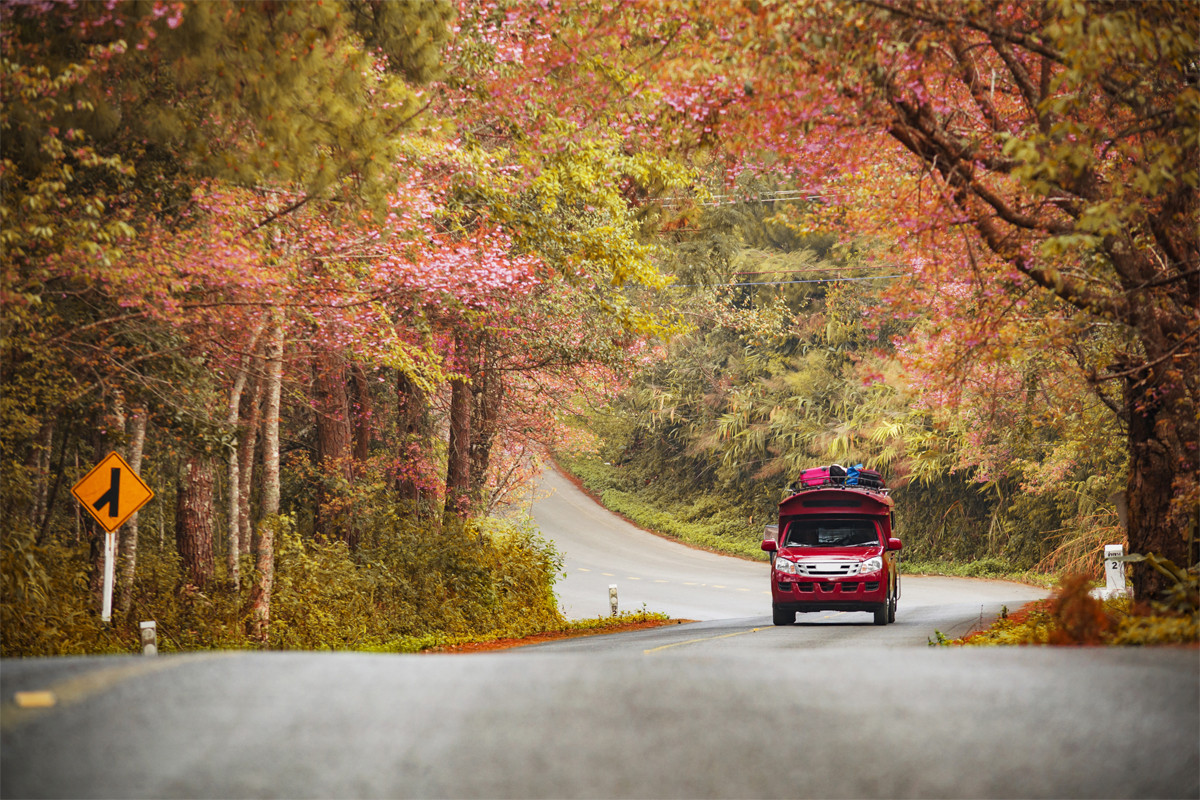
(909, 722)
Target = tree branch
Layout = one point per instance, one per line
(277, 214)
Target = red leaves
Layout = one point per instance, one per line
(1079, 617)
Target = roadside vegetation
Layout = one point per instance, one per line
(409, 588)
(1075, 616)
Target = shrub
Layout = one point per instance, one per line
(412, 584)
(45, 602)
(1072, 616)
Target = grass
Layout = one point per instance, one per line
(983, 568)
(499, 640)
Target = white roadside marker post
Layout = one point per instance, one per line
(1114, 570)
(149, 632)
(1114, 574)
(612, 597)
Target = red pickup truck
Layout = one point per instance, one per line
(833, 550)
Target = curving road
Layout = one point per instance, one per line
(602, 549)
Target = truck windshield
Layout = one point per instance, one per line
(832, 533)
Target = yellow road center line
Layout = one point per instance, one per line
(35, 699)
(702, 639)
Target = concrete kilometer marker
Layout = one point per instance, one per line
(149, 631)
(1114, 573)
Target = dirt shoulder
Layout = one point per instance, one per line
(538, 638)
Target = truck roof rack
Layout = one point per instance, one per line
(795, 488)
(835, 476)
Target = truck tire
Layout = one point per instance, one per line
(780, 617)
(892, 609)
(881, 613)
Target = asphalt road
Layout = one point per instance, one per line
(727, 707)
(908, 722)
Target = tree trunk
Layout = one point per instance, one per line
(40, 464)
(1162, 518)
(264, 542)
(247, 447)
(415, 428)
(59, 472)
(487, 394)
(233, 465)
(129, 533)
(194, 512)
(331, 404)
(458, 456)
(362, 415)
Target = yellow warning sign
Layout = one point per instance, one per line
(111, 492)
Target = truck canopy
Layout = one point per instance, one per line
(849, 500)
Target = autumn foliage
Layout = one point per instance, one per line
(320, 264)
(1079, 618)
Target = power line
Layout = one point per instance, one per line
(813, 269)
(781, 195)
(786, 283)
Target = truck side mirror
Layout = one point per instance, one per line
(770, 545)
(895, 544)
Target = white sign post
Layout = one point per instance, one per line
(110, 559)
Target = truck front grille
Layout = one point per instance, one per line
(828, 569)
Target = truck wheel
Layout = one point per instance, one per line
(780, 617)
(881, 613)
(892, 609)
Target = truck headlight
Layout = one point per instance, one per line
(871, 565)
(785, 566)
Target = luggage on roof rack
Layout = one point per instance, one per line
(837, 475)
(867, 478)
(832, 475)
